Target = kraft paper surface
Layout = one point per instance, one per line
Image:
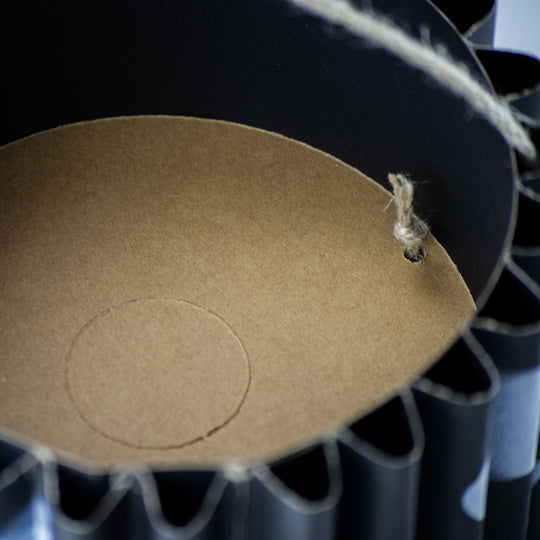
(178, 290)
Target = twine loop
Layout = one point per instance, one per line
(449, 73)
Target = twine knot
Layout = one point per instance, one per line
(409, 229)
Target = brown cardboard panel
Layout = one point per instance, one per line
(186, 290)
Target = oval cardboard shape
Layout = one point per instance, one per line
(187, 290)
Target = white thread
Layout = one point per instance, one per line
(409, 229)
(420, 55)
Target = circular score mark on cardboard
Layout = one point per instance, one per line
(120, 389)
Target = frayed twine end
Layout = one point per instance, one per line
(409, 229)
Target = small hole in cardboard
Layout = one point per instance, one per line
(415, 256)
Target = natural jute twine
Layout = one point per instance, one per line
(447, 72)
(409, 229)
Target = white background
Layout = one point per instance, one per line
(517, 26)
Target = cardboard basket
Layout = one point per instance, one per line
(433, 450)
